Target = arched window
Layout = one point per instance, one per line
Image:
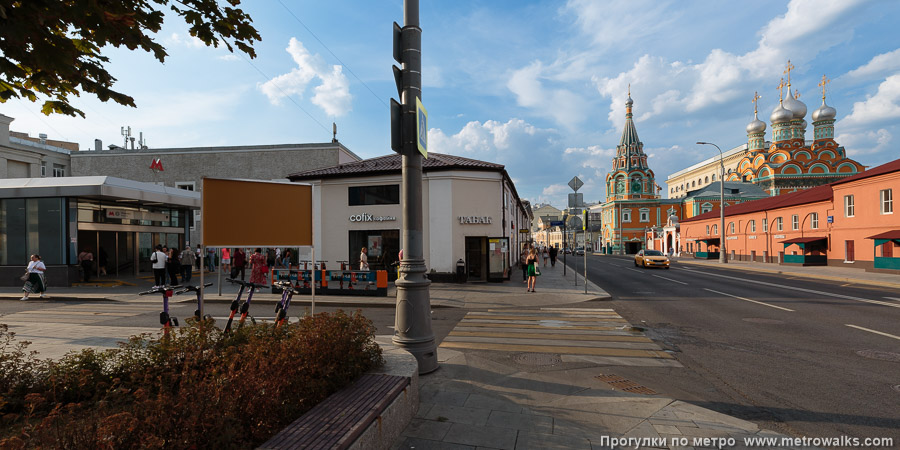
(693, 184)
(714, 177)
(731, 227)
(706, 180)
(715, 229)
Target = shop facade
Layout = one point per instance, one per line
(118, 221)
(473, 216)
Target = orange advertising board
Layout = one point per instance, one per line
(245, 213)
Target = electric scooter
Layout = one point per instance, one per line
(287, 292)
(165, 319)
(197, 290)
(236, 304)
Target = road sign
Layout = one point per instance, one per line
(422, 128)
(830, 219)
(557, 223)
(575, 183)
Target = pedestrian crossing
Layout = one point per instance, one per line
(597, 335)
(84, 313)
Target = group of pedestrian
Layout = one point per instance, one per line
(530, 260)
(170, 263)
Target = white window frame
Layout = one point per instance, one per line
(814, 221)
(887, 201)
(715, 229)
(192, 184)
(731, 227)
(705, 208)
(779, 224)
(645, 214)
(59, 171)
(753, 226)
(849, 206)
(765, 225)
(626, 215)
(707, 230)
(795, 222)
(43, 169)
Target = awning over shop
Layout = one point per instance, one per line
(801, 242)
(886, 237)
(707, 240)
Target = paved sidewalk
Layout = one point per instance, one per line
(522, 400)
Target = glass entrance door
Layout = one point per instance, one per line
(476, 258)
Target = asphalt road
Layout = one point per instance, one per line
(798, 356)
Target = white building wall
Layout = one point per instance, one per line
(440, 224)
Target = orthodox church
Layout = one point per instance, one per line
(790, 163)
(633, 203)
(635, 212)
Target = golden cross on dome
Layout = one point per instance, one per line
(629, 89)
(787, 70)
(822, 84)
(781, 87)
(755, 101)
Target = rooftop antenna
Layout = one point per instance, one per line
(126, 131)
(334, 132)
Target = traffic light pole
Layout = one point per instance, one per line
(412, 323)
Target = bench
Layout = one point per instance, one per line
(338, 421)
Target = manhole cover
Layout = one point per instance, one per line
(625, 384)
(765, 321)
(537, 359)
(880, 355)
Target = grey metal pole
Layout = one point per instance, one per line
(412, 324)
(722, 258)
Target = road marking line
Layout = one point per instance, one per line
(674, 281)
(633, 270)
(559, 349)
(873, 331)
(809, 291)
(752, 301)
(893, 298)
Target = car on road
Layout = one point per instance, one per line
(651, 258)
(579, 251)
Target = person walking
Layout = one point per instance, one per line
(258, 267)
(286, 261)
(364, 259)
(158, 258)
(270, 257)
(239, 263)
(34, 283)
(226, 260)
(173, 266)
(210, 259)
(198, 257)
(545, 254)
(533, 271)
(523, 262)
(187, 259)
(86, 260)
(554, 252)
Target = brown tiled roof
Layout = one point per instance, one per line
(812, 195)
(892, 166)
(392, 164)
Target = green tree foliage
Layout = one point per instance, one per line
(53, 48)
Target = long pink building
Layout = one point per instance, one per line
(850, 222)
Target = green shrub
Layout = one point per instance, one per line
(196, 388)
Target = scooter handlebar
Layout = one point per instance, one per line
(192, 288)
(158, 290)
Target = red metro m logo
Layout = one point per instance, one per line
(156, 165)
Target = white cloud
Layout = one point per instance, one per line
(185, 40)
(865, 142)
(879, 66)
(229, 57)
(612, 23)
(881, 107)
(333, 92)
(556, 190)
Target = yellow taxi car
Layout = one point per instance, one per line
(651, 258)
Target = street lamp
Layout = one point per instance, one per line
(721, 202)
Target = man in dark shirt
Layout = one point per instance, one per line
(553, 252)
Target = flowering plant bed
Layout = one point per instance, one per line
(196, 388)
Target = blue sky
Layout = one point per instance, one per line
(538, 86)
